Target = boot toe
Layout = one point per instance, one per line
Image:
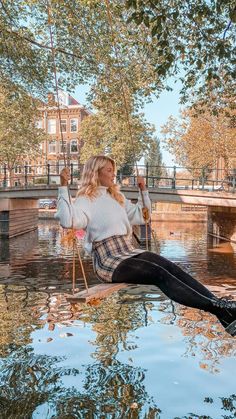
(231, 328)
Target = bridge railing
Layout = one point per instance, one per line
(173, 177)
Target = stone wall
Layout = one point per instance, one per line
(162, 211)
(18, 216)
(222, 222)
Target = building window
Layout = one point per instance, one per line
(39, 124)
(62, 146)
(28, 168)
(61, 165)
(75, 165)
(63, 125)
(17, 170)
(74, 146)
(52, 147)
(51, 126)
(52, 167)
(74, 125)
(39, 169)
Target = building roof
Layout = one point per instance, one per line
(73, 101)
(66, 101)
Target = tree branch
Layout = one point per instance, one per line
(39, 45)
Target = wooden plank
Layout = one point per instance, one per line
(104, 290)
(97, 292)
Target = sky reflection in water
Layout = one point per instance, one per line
(135, 355)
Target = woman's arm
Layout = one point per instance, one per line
(70, 213)
(134, 211)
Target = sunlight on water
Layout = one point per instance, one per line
(133, 355)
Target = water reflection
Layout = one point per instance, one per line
(53, 383)
(35, 385)
(30, 380)
(38, 261)
(134, 355)
(210, 261)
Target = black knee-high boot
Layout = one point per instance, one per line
(138, 271)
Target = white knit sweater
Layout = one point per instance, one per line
(101, 217)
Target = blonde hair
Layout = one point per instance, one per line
(89, 182)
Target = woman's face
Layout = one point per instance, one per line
(106, 175)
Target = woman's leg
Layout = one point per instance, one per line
(139, 271)
(176, 271)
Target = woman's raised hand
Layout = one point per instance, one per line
(141, 183)
(65, 176)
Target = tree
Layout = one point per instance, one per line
(89, 47)
(199, 140)
(127, 168)
(195, 41)
(143, 41)
(154, 158)
(108, 133)
(85, 42)
(23, 61)
(19, 137)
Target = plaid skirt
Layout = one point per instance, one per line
(108, 253)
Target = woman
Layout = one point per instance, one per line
(107, 217)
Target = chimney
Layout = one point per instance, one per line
(51, 99)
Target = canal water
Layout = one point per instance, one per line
(133, 355)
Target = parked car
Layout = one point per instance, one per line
(47, 203)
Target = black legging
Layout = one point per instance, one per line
(152, 269)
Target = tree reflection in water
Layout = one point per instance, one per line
(29, 381)
(204, 335)
(34, 384)
(228, 404)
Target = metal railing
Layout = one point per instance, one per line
(171, 177)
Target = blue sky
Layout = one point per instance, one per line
(156, 112)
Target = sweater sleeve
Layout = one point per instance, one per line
(68, 211)
(134, 211)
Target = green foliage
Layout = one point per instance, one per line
(127, 168)
(124, 60)
(19, 137)
(22, 60)
(154, 158)
(200, 139)
(84, 46)
(109, 133)
(110, 56)
(41, 181)
(194, 41)
(145, 43)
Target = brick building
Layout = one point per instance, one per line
(55, 149)
(51, 156)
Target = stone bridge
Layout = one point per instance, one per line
(19, 206)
